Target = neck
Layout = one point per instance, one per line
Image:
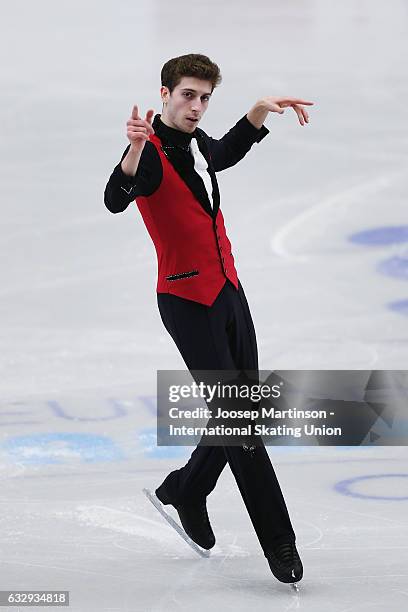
(171, 125)
(167, 132)
(166, 121)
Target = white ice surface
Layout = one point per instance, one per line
(81, 337)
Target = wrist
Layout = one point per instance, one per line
(135, 149)
(257, 114)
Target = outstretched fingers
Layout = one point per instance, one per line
(138, 129)
(149, 118)
(135, 112)
(301, 113)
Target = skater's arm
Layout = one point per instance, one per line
(272, 104)
(123, 188)
(139, 171)
(235, 144)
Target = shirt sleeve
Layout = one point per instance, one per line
(122, 189)
(235, 144)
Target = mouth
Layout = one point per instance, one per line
(192, 119)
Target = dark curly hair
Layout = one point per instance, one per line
(190, 65)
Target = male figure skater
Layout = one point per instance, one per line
(169, 169)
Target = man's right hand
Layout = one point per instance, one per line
(138, 129)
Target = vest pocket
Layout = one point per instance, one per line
(173, 277)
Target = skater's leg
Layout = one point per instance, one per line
(262, 495)
(223, 337)
(197, 478)
(253, 471)
(256, 477)
(202, 348)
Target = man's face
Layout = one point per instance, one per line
(186, 104)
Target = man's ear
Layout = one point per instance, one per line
(164, 92)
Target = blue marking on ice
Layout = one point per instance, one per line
(148, 440)
(343, 487)
(395, 266)
(381, 235)
(45, 448)
(118, 411)
(400, 306)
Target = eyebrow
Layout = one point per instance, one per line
(194, 91)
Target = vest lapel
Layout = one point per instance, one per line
(202, 145)
(184, 165)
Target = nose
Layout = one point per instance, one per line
(196, 106)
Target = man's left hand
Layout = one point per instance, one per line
(277, 105)
(260, 110)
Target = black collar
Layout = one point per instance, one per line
(172, 136)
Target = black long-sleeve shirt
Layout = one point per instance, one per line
(122, 189)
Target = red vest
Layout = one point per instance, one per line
(193, 251)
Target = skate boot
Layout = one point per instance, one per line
(194, 518)
(285, 562)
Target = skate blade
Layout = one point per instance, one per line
(159, 506)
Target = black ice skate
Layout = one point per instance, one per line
(194, 518)
(170, 520)
(285, 562)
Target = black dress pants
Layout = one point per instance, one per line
(222, 337)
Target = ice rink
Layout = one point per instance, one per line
(317, 216)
